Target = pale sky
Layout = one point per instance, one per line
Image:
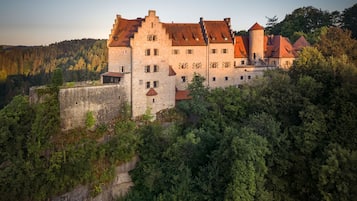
(42, 22)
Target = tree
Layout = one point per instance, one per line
(272, 22)
(349, 20)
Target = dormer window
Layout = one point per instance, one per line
(115, 38)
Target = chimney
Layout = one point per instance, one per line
(152, 12)
(228, 21)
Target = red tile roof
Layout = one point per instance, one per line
(218, 32)
(151, 92)
(122, 31)
(185, 34)
(113, 74)
(278, 47)
(182, 95)
(256, 26)
(241, 46)
(171, 71)
(300, 43)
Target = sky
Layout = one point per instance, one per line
(42, 22)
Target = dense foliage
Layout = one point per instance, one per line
(22, 67)
(290, 135)
(39, 161)
(310, 22)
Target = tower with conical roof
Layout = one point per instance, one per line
(256, 43)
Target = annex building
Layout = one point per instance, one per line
(154, 61)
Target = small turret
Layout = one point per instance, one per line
(256, 43)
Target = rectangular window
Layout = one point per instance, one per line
(183, 65)
(241, 77)
(183, 78)
(152, 37)
(213, 65)
(197, 65)
(156, 52)
(147, 69)
(242, 62)
(156, 84)
(175, 51)
(226, 78)
(213, 51)
(156, 68)
(189, 51)
(147, 85)
(249, 77)
(226, 64)
(147, 52)
(224, 51)
(213, 79)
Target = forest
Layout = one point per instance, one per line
(22, 67)
(288, 136)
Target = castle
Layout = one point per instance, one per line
(155, 61)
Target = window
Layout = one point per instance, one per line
(156, 84)
(183, 65)
(224, 51)
(241, 77)
(156, 52)
(189, 51)
(214, 65)
(153, 100)
(147, 85)
(152, 37)
(122, 69)
(197, 65)
(242, 62)
(249, 77)
(287, 63)
(147, 69)
(213, 79)
(226, 64)
(213, 51)
(147, 52)
(183, 78)
(175, 51)
(226, 78)
(156, 68)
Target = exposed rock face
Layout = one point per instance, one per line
(120, 186)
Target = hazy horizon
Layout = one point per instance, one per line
(44, 22)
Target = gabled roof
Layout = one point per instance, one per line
(113, 74)
(241, 46)
(123, 30)
(218, 32)
(300, 43)
(278, 47)
(256, 26)
(185, 34)
(151, 92)
(171, 71)
(182, 95)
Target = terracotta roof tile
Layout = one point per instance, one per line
(113, 74)
(256, 26)
(182, 95)
(300, 43)
(218, 32)
(171, 71)
(123, 30)
(241, 46)
(151, 92)
(185, 34)
(279, 47)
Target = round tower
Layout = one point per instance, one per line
(256, 43)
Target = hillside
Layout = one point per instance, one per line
(24, 66)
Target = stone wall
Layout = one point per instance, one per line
(103, 101)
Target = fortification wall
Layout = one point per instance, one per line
(103, 101)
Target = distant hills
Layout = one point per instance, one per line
(24, 66)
